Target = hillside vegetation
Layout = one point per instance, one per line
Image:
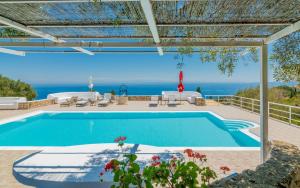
(281, 94)
(15, 88)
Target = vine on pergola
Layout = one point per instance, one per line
(225, 57)
(10, 32)
(286, 58)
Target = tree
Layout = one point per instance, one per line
(15, 88)
(286, 58)
(198, 89)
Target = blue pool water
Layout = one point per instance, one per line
(194, 129)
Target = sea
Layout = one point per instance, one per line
(147, 89)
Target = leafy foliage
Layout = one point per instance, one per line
(198, 89)
(9, 32)
(15, 88)
(281, 94)
(172, 173)
(113, 92)
(227, 58)
(286, 58)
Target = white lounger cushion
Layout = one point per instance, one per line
(9, 103)
(153, 100)
(104, 102)
(172, 100)
(191, 100)
(61, 97)
(183, 96)
(81, 103)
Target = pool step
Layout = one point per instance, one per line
(235, 126)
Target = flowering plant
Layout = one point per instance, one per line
(120, 140)
(172, 173)
(225, 169)
(126, 172)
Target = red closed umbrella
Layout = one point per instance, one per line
(180, 87)
(180, 76)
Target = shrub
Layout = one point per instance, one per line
(15, 88)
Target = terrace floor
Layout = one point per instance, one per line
(236, 160)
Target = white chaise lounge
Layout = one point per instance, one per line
(172, 100)
(11, 103)
(62, 97)
(153, 101)
(81, 103)
(189, 96)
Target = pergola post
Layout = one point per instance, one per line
(264, 103)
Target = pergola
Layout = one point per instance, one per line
(91, 26)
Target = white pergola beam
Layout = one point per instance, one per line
(131, 44)
(204, 24)
(264, 130)
(147, 8)
(69, 1)
(286, 31)
(13, 52)
(35, 32)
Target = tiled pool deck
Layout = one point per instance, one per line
(236, 160)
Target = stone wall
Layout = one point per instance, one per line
(140, 98)
(282, 169)
(35, 104)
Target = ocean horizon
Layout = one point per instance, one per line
(148, 88)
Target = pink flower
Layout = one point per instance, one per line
(225, 169)
(200, 156)
(155, 157)
(111, 165)
(120, 138)
(156, 163)
(187, 151)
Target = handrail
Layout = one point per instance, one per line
(277, 111)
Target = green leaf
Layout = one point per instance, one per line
(135, 167)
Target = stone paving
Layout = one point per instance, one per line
(236, 160)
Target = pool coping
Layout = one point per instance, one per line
(243, 130)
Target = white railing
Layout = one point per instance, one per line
(282, 112)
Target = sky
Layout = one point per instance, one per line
(118, 68)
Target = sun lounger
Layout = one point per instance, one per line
(172, 100)
(92, 102)
(153, 101)
(81, 103)
(107, 96)
(66, 103)
(103, 102)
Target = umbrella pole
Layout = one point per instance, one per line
(180, 98)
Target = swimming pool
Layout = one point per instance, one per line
(165, 129)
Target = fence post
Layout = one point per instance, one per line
(241, 102)
(218, 99)
(290, 115)
(252, 103)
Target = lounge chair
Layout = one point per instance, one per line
(153, 101)
(103, 102)
(74, 99)
(81, 103)
(191, 100)
(172, 100)
(107, 96)
(66, 103)
(92, 102)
